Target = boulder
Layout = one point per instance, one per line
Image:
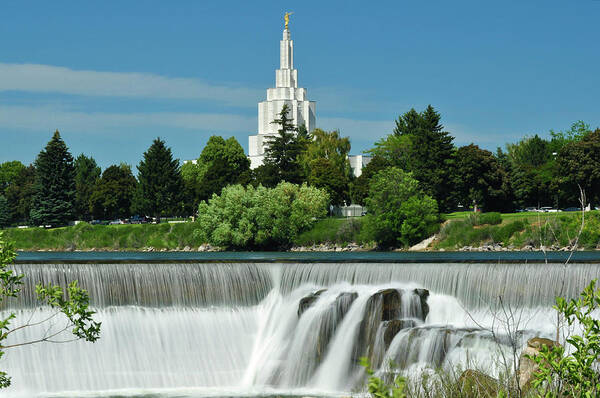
(527, 366)
(307, 301)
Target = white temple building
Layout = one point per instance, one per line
(286, 91)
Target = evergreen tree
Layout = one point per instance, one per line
(282, 155)
(160, 189)
(4, 212)
(87, 174)
(8, 173)
(54, 199)
(420, 145)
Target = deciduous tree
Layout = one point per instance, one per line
(113, 193)
(87, 174)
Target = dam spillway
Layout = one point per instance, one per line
(254, 328)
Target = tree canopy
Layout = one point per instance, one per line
(160, 189)
(87, 174)
(54, 199)
(283, 151)
(113, 195)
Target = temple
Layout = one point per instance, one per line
(286, 91)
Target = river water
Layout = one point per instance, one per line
(229, 329)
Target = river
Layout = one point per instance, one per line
(293, 324)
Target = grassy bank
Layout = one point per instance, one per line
(516, 230)
(105, 237)
(552, 230)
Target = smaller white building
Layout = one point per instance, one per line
(357, 162)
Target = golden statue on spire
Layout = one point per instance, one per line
(287, 19)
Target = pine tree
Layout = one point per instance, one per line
(283, 151)
(160, 188)
(53, 202)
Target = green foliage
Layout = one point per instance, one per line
(576, 133)
(53, 203)
(401, 212)
(325, 163)
(84, 236)
(491, 218)
(459, 233)
(160, 188)
(573, 374)
(359, 188)
(532, 172)
(429, 154)
(221, 163)
(282, 155)
(20, 195)
(480, 179)
(579, 166)
(335, 230)
(9, 171)
(72, 303)
(87, 174)
(112, 196)
(260, 217)
(4, 212)
(378, 388)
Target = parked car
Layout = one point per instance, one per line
(548, 209)
(531, 209)
(116, 222)
(572, 209)
(139, 220)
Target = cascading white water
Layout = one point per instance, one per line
(257, 328)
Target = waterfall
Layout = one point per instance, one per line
(257, 329)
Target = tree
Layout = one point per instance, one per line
(420, 145)
(481, 180)
(579, 166)
(325, 163)
(282, 155)
(160, 189)
(9, 172)
(20, 194)
(54, 199)
(245, 217)
(72, 303)
(576, 133)
(113, 194)
(532, 172)
(87, 174)
(4, 212)
(399, 212)
(221, 163)
(359, 188)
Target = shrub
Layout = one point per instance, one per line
(492, 218)
(401, 212)
(260, 217)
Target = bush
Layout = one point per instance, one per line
(401, 212)
(260, 217)
(492, 218)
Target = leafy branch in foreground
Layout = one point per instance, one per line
(378, 388)
(73, 303)
(573, 374)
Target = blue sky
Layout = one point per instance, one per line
(113, 75)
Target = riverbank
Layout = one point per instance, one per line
(461, 232)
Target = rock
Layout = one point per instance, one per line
(474, 384)
(423, 244)
(527, 366)
(187, 249)
(307, 301)
(391, 329)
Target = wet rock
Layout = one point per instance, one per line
(391, 329)
(527, 366)
(474, 384)
(307, 301)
